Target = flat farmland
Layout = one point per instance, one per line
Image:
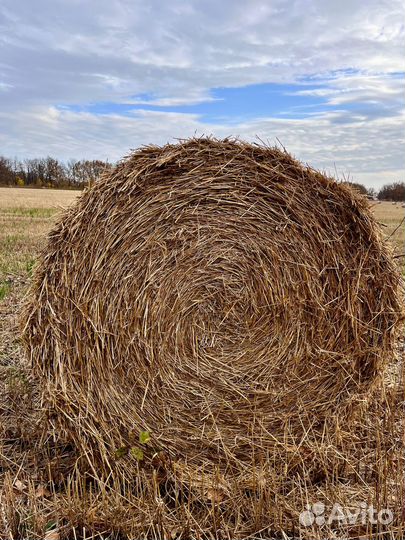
(27, 215)
(390, 216)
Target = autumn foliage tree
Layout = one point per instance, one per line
(50, 172)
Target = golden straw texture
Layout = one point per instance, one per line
(222, 299)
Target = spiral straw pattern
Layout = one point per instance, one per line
(218, 295)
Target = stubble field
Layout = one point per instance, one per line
(26, 216)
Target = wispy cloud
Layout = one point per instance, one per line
(99, 77)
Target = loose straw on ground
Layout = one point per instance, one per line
(217, 311)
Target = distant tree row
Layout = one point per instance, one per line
(389, 192)
(392, 192)
(51, 173)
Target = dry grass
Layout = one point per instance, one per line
(390, 216)
(26, 216)
(165, 499)
(49, 199)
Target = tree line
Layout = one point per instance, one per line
(389, 192)
(51, 173)
(77, 174)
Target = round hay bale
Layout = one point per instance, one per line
(216, 296)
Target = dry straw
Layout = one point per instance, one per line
(209, 322)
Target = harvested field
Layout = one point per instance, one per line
(391, 218)
(12, 198)
(63, 478)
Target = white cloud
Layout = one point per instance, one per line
(349, 88)
(191, 98)
(325, 142)
(69, 52)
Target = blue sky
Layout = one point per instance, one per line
(93, 79)
(227, 105)
(230, 106)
